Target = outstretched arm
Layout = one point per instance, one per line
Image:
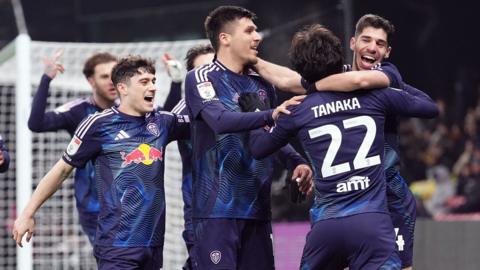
(48, 185)
(280, 76)
(353, 80)
(39, 120)
(409, 102)
(289, 80)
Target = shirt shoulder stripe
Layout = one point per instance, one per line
(198, 72)
(179, 107)
(83, 128)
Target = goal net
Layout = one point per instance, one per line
(58, 242)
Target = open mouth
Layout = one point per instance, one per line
(368, 59)
(148, 98)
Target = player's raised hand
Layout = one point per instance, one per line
(303, 175)
(22, 226)
(52, 66)
(283, 107)
(173, 67)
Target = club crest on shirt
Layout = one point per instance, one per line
(153, 128)
(262, 94)
(206, 90)
(73, 146)
(215, 256)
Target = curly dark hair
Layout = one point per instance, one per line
(316, 53)
(130, 66)
(221, 16)
(196, 51)
(97, 59)
(375, 21)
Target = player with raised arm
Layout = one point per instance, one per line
(196, 56)
(342, 134)
(231, 189)
(97, 70)
(127, 147)
(371, 46)
(4, 156)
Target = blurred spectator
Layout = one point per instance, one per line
(467, 197)
(444, 189)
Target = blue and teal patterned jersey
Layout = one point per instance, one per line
(128, 155)
(227, 181)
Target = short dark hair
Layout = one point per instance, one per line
(130, 66)
(316, 53)
(97, 59)
(219, 17)
(196, 51)
(375, 21)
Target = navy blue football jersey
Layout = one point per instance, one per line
(392, 151)
(128, 154)
(227, 181)
(342, 135)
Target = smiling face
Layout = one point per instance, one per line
(137, 94)
(242, 40)
(369, 48)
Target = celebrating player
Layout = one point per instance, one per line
(127, 146)
(343, 134)
(231, 189)
(371, 47)
(97, 70)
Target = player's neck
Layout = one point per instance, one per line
(102, 103)
(128, 110)
(354, 66)
(230, 61)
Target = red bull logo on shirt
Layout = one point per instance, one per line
(144, 153)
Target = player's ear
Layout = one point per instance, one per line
(122, 89)
(91, 81)
(224, 38)
(387, 54)
(352, 43)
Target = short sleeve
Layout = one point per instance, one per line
(85, 144)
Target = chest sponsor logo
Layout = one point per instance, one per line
(73, 146)
(144, 153)
(354, 183)
(215, 256)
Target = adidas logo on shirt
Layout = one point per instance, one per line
(121, 135)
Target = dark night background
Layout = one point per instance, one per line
(434, 47)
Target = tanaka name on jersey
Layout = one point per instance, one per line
(336, 106)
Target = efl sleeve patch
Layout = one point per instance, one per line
(73, 146)
(206, 90)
